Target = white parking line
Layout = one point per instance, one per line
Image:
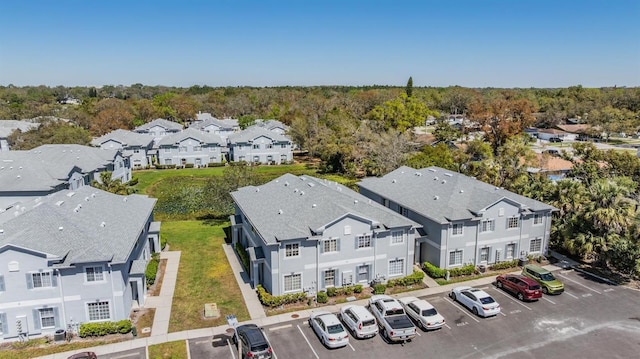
(571, 295)
(504, 315)
(512, 299)
(548, 300)
(578, 283)
(269, 341)
(308, 343)
(608, 290)
(447, 325)
(464, 310)
(418, 333)
(280, 327)
(231, 349)
(352, 348)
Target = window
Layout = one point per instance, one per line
(347, 230)
(41, 280)
(364, 241)
(537, 219)
(511, 249)
(183, 149)
(403, 211)
(256, 158)
(47, 318)
(283, 145)
(456, 229)
(363, 273)
(197, 148)
(167, 161)
(256, 146)
(397, 237)
(136, 151)
(3, 322)
(167, 149)
(2, 289)
(487, 225)
(535, 245)
(484, 254)
(330, 245)
(292, 250)
(329, 278)
(239, 147)
(98, 311)
(292, 282)
(212, 148)
(455, 257)
(513, 222)
(269, 145)
(396, 267)
(94, 274)
(385, 202)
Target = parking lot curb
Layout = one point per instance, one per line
(608, 281)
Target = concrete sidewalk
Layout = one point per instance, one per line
(256, 311)
(162, 303)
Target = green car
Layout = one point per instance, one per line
(549, 283)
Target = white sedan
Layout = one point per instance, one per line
(329, 329)
(479, 301)
(422, 312)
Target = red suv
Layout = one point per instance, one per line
(522, 287)
(85, 355)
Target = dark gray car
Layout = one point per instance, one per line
(254, 343)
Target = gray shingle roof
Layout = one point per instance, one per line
(169, 125)
(8, 126)
(47, 166)
(253, 132)
(271, 124)
(443, 195)
(227, 123)
(202, 137)
(294, 207)
(85, 225)
(126, 138)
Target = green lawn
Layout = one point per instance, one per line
(204, 275)
(169, 350)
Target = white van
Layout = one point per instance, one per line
(359, 321)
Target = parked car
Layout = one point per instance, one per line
(522, 287)
(84, 355)
(359, 321)
(395, 324)
(546, 279)
(253, 342)
(422, 312)
(329, 329)
(479, 301)
(555, 139)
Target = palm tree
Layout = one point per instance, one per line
(108, 184)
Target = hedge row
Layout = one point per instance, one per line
(334, 291)
(504, 265)
(274, 301)
(164, 167)
(244, 256)
(412, 279)
(104, 328)
(152, 269)
(435, 272)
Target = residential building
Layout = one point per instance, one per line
(549, 133)
(138, 147)
(51, 168)
(75, 256)
(550, 164)
(221, 127)
(159, 128)
(307, 234)
(190, 146)
(273, 125)
(256, 144)
(464, 221)
(8, 126)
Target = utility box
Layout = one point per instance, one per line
(211, 310)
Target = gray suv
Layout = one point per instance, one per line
(253, 342)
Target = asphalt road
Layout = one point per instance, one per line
(589, 320)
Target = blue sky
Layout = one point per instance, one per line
(483, 43)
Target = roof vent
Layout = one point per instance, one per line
(20, 167)
(286, 183)
(313, 205)
(59, 203)
(124, 199)
(432, 169)
(71, 194)
(436, 198)
(295, 190)
(77, 208)
(302, 193)
(60, 228)
(461, 191)
(103, 224)
(311, 184)
(18, 176)
(257, 189)
(418, 174)
(435, 178)
(86, 199)
(355, 201)
(393, 180)
(280, 211)
(1, 231)
(93, 195)
(448, 174)
(444, 181)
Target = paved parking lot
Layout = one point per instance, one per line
(589, 320)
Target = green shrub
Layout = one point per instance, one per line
(152, 269)
(504, 265)
(322, 297)
(379, 289)
(244, 256)
(357, 288)
(215, 164)
(433, 271)
(188, 165)
(104, 328)
(274, 301)
(163, 241)
(332, 291)
(464, 270)
(348, 290)
(164, 167)
(133, 181)
(412, 279)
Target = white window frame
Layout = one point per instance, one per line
(484, 252)
(535, 243)
(330, 277)
(283, 145)
(359, 272)
(487, 225)
(284, 282)
(50, 315)
(182, 149)
(40, 274)
(397, 237)
(455, 253)
(292, 250)
(167, 161)
(396, 267)
(364, 241)
(513, 251)
(197, 148)
(99, 311)
(330, 245)
(256, 146)
(538, 219)
(510, 222)
(101, 274)
(167, 149)
(455, 231)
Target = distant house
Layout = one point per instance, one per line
(550, 165)
(52, 168)
(136, 145)
(548, 133)
(159, 128)
(8, 126)
(273, 125)
(256, 144)
(190, 146)
(576, 131)
(223, 128)
(73, 257)
(464, 221)
(303, 234)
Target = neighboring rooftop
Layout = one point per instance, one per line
(272, 125)
(85, 225)
(169, 125)
(202, 137)
(299, 207)
(124, 137)
(228, 124)
(253, 132)
(8, 126)
(443, 195)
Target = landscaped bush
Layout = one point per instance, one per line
(274, 301)
(104, 328)
(412, 279)
(379, 289)
(322, 297)
(244, 256)
(332, 291)
(152, 269)
(504, 265)
(464, 270)
(188, 165)
(357, 288)
(433, 271)
(164, 167)
(215, 164)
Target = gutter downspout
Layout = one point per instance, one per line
(475, 253)
(520, 240)
(64, 310)
(113, 295)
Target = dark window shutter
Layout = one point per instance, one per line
(2, 288)
(36, 320)
(338, 244)
(29, 281)
(5, 325)
(54, 279)
(56, 316)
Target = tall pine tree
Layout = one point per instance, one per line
(409, 89)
